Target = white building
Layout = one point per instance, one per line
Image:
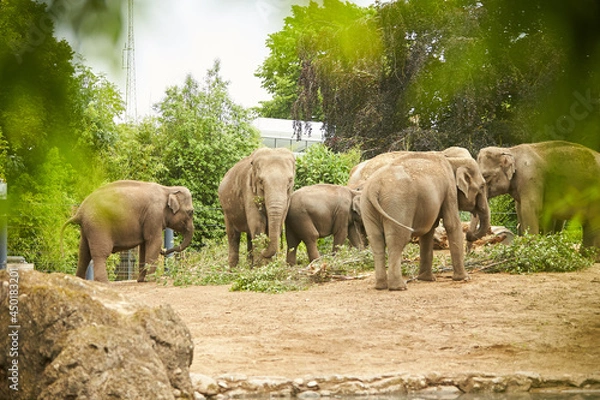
(280, 133)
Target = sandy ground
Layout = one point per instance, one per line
(495, 323)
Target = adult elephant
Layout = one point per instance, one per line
(126, 214)
(321, 210)
(255, 196)
(461, 160)
(406, 199)
(549, 181)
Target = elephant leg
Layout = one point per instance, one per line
(355, 237)
(142, 263)
(249, 250)
(591, 238)
(396, 241)
(311, 248)
(100, 250)
(233, 241)
(377, 241)
(292, 246)
(339, 237)
(151, 249)
(528, 215)
(426, 255)
(84, 257)
(455, 240)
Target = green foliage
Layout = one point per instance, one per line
(201, 134)
(536, 253)
(503, 212)
(207, 266)
(319, 164)
(275, 277)
(425, 75)
(36, 233)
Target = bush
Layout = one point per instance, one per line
(536, 253)
(321, 165)
(503, 212)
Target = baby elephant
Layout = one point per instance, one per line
(321, 210)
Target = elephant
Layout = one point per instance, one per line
(407, 198)
(125, 214)
(321, 210)
(255, 197)
(459, 158)
(549, 181)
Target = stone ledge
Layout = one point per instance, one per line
(432, 385)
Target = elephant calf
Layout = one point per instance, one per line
(125, 214)
(321, 210)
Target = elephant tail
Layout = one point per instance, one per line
(373, 200)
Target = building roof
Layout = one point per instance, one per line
(280, 133)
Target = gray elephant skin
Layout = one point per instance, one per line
(406, 199)
(125, 214)
(549, 181)
(255, 197)
(321, 210)
(459, 159)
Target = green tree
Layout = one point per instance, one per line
(56, 116)
(424, 75)
(321, 165)
(201, 134)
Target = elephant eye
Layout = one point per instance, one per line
(190, 213)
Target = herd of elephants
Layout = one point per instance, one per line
(388, 200)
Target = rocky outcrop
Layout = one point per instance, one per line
(433, 385)
(70, 338)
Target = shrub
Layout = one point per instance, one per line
(321, 165)
(503, 212)
(536, 253)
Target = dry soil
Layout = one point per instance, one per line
(494, 323)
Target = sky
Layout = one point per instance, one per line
(181, 37)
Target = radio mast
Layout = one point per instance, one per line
(129, 61)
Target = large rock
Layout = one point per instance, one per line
(70, 338)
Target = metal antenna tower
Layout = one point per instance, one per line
(129, 61)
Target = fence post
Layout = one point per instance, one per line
(89, 272)
(169, 236)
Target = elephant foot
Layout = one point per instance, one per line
(381, 286)
(429, 277)
(460, 277)
(397, 286)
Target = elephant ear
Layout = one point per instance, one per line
(356, 204)
(173, 202)
(463, 180)
(507, 161)
(253, 179)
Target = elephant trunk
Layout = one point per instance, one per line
(275, 217)
(187, 239)
(481, 215)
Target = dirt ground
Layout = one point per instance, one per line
(494, 323)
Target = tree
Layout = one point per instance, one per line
(201, 134)
(424, 75)
(56, 117)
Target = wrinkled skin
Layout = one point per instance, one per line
(550, 181)
(321, 210)
(406, 199)
(255, 197)
(125, 214)
(459, 158)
